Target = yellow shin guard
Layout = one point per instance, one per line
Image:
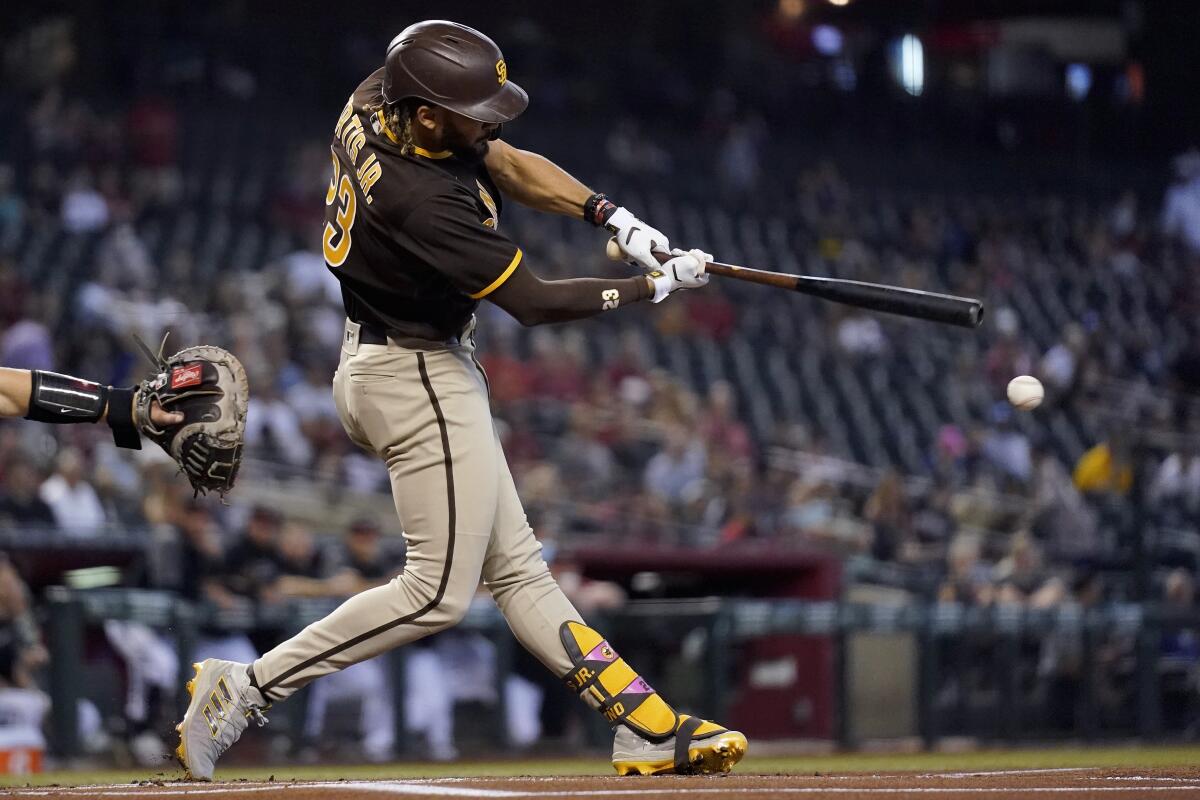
(609, 685)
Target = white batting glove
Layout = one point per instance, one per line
(685, 271)
(636, 239)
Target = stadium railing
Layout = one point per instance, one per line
(949, 643)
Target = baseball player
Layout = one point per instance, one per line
(413, 217)
(50, 397)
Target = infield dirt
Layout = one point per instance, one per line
(1000, 784)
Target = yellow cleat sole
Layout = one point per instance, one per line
(711, 756)
(180, 751)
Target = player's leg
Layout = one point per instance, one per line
(651, 737)
(425, 414)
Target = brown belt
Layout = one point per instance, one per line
(369, 334)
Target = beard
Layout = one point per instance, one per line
(469, 150)
(466, 150)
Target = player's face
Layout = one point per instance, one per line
(465, 137)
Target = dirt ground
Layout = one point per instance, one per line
(999, 784)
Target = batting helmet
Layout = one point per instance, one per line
(453, 66)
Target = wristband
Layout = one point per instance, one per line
(598, 209)
(663, 285)
(120, 419)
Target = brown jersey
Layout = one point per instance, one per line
(412, 239)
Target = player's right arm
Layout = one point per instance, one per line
(531, 300)
(445, 232)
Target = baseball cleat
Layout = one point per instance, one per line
(697, 748)
(221, 707)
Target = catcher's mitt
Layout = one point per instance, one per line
(208, 386)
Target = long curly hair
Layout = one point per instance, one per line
(399, 119)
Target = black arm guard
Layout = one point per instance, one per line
(63, 399)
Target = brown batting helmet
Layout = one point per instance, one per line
(453, 66)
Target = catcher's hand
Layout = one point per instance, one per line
(160, 418)
(204, 390)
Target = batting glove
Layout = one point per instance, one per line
(637, 240)
(685, 271)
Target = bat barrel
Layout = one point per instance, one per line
(962, 311)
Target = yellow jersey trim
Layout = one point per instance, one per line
(496, 284)
(383, 126)
(421, 151)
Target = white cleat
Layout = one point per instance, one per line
(222, 705)
(697, 749)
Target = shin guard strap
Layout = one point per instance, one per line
(683, 742)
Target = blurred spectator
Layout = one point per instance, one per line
(1105, 468)
(720, 427)
(302, 565)
(273, 427)
(1177, 481)
(151, 668)
(1062, 660)
(311, 397)
(12, 209)
(23, 706)
(1009, 356)
(1060, 365)
(206, 574)
(557, 371)
(19, 500)
(588, 466)
(1061, 516)
(84, 209)
(678, 467)
(26, 344)
(1006, 448)
(1020, 573)
(253, 564)
(1181, 206)
(888, 512)
(1179, 652)
(369, 556)
(510, 379)
(968, 577)
(71, 499)
(306, 278)
(861, 334)
(366, 562)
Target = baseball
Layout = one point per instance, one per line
(613, 250)
(1025, 392)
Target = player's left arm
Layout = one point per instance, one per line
(536, 181)
(50, 397)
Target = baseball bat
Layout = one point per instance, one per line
(965, 312)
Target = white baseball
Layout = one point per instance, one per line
(1025, 392)
(613, 250)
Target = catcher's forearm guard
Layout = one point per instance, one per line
(64, 399)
